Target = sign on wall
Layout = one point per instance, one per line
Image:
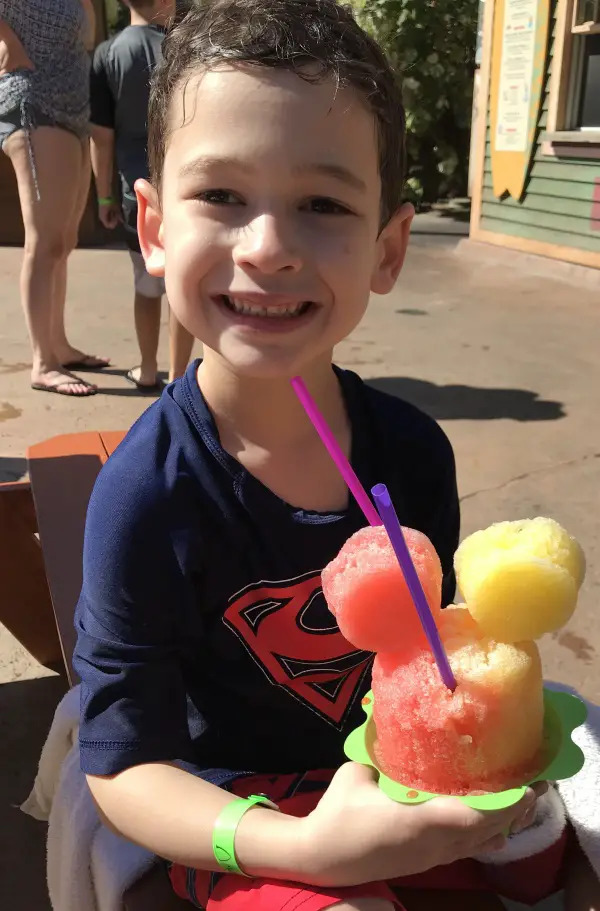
(519, 49)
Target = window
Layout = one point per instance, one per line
(585, 28)
(574, 105)
(589, 108)
(586, 16)
(584, 109)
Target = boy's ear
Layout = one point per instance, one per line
(392, 244)
(150, 228)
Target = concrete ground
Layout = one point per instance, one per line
(502, 351)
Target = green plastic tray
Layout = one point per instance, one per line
(562, 714)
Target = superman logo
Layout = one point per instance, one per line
(290, 633)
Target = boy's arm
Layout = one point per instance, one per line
(102, 148)
(355, 835)
(172, 813)
(102, 153)
(102, 138)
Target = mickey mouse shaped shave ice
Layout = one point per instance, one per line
(498, 729)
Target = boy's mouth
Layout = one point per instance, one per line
(278, 311)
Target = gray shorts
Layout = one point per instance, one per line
(13, 121)
(144, 283)
(28, 117)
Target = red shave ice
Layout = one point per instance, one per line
(484, 736)
(368, 595)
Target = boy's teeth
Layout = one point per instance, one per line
(245, 308)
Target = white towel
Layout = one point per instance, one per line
(88, 867)
(546, 830)
(62, 736)
(581, 793)
(116, 865)
(72, 825)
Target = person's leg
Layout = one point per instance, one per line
(181, 343)
(57, 156)
(68, 355)
(147, 308)
(147, 312)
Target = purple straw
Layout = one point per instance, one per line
(394, 530)
(333, 448)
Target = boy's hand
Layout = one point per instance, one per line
(109, 214)
(357, 834)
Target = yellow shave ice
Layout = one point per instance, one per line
(520, 579)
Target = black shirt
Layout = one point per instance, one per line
(119, 94)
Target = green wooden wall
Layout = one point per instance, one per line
(556, 206)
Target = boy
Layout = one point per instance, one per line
(119, 91)
(210, 664)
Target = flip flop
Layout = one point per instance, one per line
(57, 390)
(88, 362)
(157, 386)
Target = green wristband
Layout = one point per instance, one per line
(106, 200)
(225, 828)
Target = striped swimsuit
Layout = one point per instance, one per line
(56, 92)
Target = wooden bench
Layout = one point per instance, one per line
(41, 547)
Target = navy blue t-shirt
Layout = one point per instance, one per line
(203, 633)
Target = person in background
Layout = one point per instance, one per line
(119, 90)
(44, 110)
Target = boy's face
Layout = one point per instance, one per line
(268, 228)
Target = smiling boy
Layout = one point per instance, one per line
(211, 668)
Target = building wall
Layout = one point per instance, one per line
(558, 203)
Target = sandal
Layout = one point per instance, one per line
(156, 386)
(62, 388)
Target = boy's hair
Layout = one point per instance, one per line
(314, 38)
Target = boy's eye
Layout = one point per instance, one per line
(322, 205)
(218, 197)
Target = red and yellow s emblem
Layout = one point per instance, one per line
(288, 630)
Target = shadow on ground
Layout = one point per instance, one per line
(131, 389)
(12, 469)
(457, 402)
(26, 711)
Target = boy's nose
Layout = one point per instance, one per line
(263, 246)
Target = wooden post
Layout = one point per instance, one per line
(482, 106)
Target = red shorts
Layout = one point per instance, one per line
(297, 795)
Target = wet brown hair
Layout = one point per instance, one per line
(317, 39)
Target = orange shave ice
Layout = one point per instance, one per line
(486, 735)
